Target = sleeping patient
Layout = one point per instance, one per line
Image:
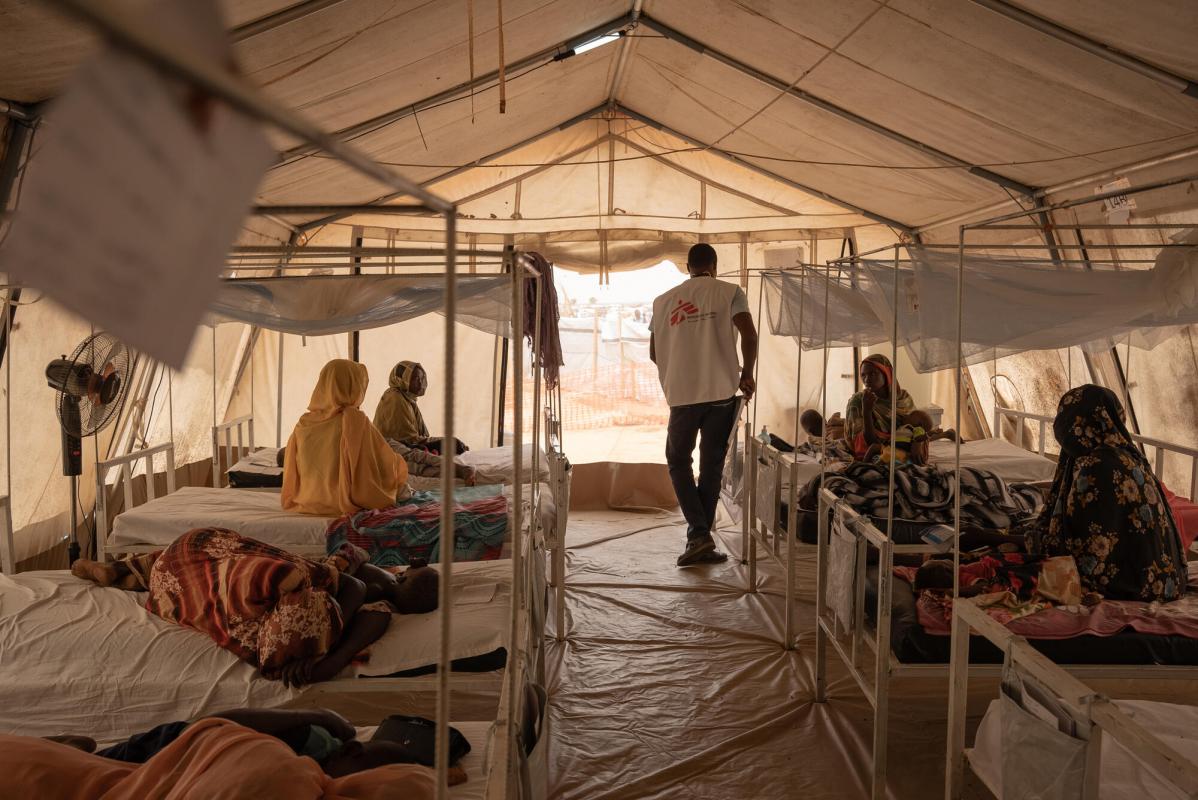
(321, 734)
(211, 758)
(298, 620)
(336, 461)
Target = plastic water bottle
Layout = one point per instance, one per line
(764, 436)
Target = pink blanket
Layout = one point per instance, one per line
(1185, 513)
(1179, 618)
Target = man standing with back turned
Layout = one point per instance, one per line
(693, 343)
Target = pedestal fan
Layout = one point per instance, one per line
(91, 389)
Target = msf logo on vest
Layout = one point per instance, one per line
(686, 311)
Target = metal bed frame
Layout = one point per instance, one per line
(1096, 715)
(851, 644)
(1159, 446)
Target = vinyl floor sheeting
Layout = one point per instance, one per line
(672, 683)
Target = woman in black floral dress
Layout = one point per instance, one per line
(1106, 508)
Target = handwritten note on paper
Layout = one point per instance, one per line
(136, 192)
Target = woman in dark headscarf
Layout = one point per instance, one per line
(867, 416)
(1106, 508)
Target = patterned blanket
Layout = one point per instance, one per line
(412, 529)
(925, 493)
(266, 606)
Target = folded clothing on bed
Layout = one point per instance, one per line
(394, 536)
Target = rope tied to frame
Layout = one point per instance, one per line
(470, 51)
(502, 66)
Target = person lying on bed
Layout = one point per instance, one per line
(318, 733)
(1106, 508)
(213, 757)
(298, 620)
(336, 461)
(398, 414)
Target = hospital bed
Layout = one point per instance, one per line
(1050, 735)
(867, 617)
(162, 518)
(233, 452)
(82, 658)
(774, 480)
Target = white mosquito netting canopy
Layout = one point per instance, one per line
(813, 126)
(1009, 305)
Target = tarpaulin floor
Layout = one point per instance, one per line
(673, 683)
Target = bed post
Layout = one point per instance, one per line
(749, 509)
(958, 694)
(445, 599)
(821, 606)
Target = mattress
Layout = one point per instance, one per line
(911, 644)
(255, 514)
(1010, 462)
(496, 465)
(474, 762)
(81, 659)
(493, 465)
(1121, 775)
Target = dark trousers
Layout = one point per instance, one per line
(712, 424)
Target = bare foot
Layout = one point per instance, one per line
(102, 574)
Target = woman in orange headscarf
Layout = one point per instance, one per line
(336, 461)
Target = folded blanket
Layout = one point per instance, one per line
(925, 493)
(412, 529)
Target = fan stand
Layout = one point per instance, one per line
(72, 467)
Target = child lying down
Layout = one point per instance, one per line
(318, 733)
(298, 620)
(1015, 580)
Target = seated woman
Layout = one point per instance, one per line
(213, 757)
(1106, 508)
(867, 416)
(336, 462)
(296, 619)
(398, 415)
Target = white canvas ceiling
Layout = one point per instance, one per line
(889, 103)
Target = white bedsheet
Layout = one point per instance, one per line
(496, 465)
(1121, 776)
(255, 514)
(80, 659)
(1010, 462)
